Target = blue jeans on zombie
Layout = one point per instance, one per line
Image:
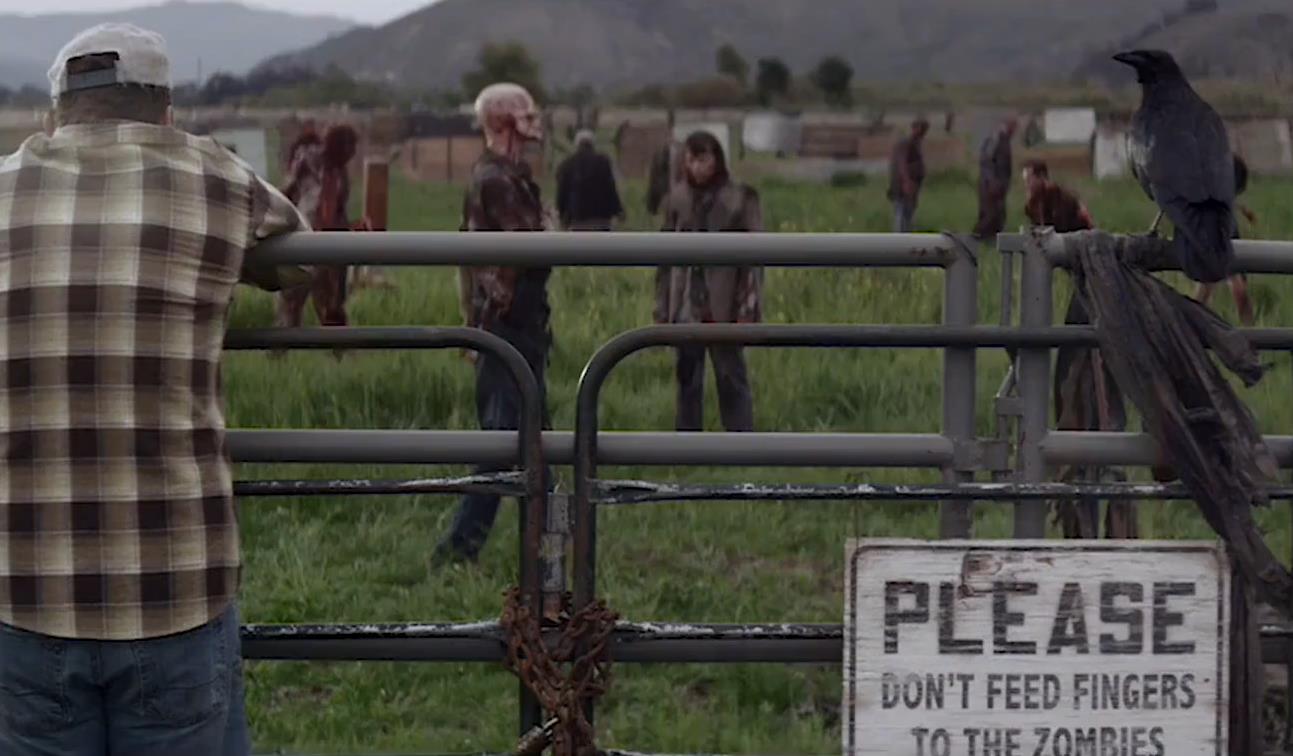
(903, 210)
(178, 694)
(498, 407)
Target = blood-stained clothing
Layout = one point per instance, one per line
(510, 302)
(711, 294)
(1085, 395)
(504, 197)
(321, 192)
(1057, 207)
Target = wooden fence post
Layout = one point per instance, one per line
(377, 211)
(1246, 674)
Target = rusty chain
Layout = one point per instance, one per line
(562, 674)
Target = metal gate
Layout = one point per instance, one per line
(1015, 467)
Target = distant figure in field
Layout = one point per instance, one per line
(308, 136)
(1239, 281)
(666, 170)
(1085, 395)
(587, 198)
(1049, 204)
(906, 174)
(708, 200)
(319, 183)
(509, 302)
(995, 169)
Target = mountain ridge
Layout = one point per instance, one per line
(619, 44)
(213, 35)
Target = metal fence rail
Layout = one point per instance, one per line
(525, 442)
(956, 451)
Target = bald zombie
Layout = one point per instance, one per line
(510, 302)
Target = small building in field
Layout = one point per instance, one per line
(1069, 125)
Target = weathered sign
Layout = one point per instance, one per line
(1036, 648)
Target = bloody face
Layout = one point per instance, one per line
(528, 123)
(700, 167)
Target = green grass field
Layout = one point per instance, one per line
(317, 560)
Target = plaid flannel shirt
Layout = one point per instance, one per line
(120, 246)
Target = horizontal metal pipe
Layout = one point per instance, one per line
(624, 493)
(377, 447)
(645, 492)
(502, 484)
(878, 336)
(632, 643)
(1251, 255)
(598, 249)
(364, 338)
(1129, 449)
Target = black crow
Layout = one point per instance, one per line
(1181, 155)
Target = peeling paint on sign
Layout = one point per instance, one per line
(1036, 648)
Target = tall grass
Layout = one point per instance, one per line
(317, 560)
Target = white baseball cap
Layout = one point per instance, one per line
(141, 59)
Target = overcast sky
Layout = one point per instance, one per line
(365, 11)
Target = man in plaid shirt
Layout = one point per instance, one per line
(121, 240)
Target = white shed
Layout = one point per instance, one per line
(1069, 125)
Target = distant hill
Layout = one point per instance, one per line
(1252, 42)
(15, 71)
(629, 43)
(224, 36)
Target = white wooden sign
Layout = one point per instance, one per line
(1036, 648)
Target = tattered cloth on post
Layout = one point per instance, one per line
(581, 647)
(1155, 340)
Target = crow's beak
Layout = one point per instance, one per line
(1131, 59)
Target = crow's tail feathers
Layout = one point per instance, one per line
(1203, 239)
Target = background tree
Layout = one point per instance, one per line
(730, 63)
(833, 76)
(773, 80)
(507, 61)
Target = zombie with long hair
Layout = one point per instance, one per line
(708, 200)
(319, 184)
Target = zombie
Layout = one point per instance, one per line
(1086, 396)
(319, 184)
(587, 198)
(308, 136)
(666, 171)
(511, 302)
(906, 174)
(709, 200)
(995, 168)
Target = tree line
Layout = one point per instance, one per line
(735, 82)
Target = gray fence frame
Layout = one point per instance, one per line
(957, 451)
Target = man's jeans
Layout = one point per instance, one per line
(179, 694)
